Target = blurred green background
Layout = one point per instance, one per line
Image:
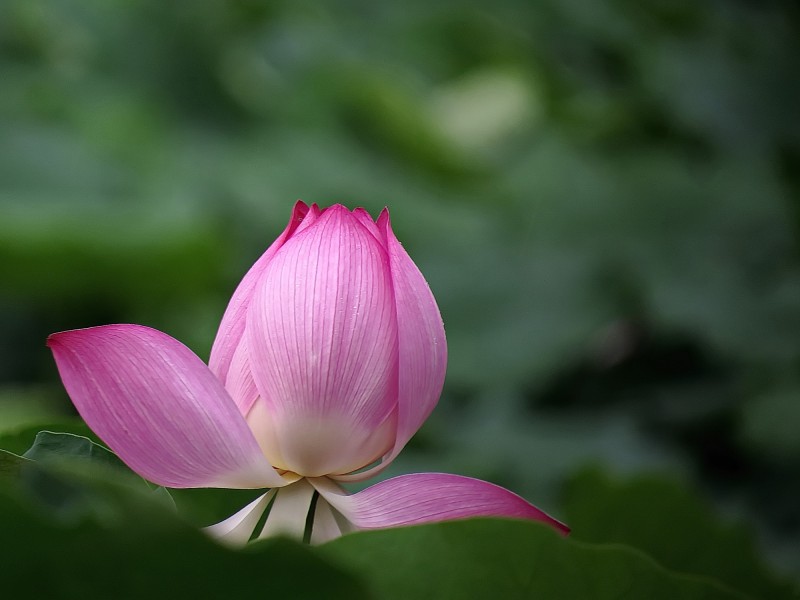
(603, 197)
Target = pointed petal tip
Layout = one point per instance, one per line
(53, 339)
(337, 209)
(384, 217)
(560, 527)
(299, 212)
(362, 212)
(60, 338)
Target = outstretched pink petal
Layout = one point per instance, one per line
(322, 339)
(422, 348)
(159, 408)
(231, 328)
(428, 498)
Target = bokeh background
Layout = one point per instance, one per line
(603, 197)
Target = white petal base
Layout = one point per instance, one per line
(329, 523)
(237, 529)
(287, 516)
(289, 511)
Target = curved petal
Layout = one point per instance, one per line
(366, 220)
(428, 498)
(322, 334)
(328, 524)
(240, 383)
(231, 327)
(237, 529)
(314, 211)
(422, 347)
(159, 408)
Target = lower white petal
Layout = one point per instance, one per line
(329, 523)
(289, 511)
(237, 529)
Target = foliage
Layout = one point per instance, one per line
(602, 196)
(83, 529)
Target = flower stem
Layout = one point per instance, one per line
(312, 507)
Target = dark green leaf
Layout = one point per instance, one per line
(493, 558)
(206, 506)
(151, 554)
(10, 465)
(161, 494)
(59, 470)
(673, 525)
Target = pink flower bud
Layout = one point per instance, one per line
(332, 346)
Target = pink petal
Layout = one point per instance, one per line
(322, 334)
(240, 383)
(422, 347)
(366, 220)
(313, 213)
(231, 328)
(429, 498)
(159, 408)
(421, 340)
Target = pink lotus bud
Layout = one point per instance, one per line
(332, 346)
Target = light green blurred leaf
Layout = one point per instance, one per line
(51, 446)
(770, 423)
(22, 406)
(20, 440)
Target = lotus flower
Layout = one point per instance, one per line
(329, 358)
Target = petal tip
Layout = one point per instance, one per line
(54, 339)
(61, 338)
(560, 527)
